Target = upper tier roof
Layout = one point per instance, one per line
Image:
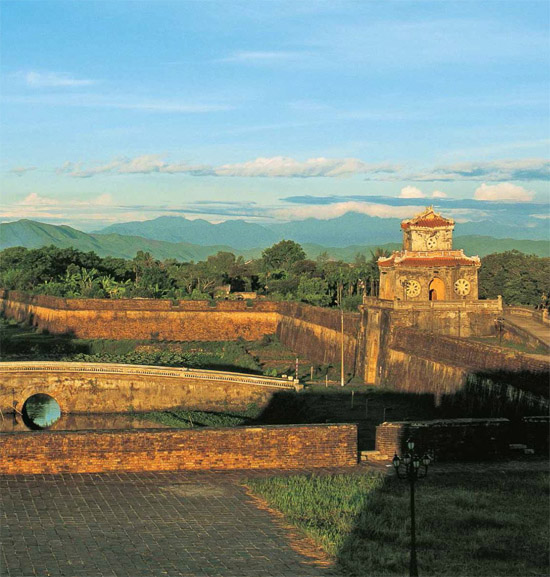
(427, 219)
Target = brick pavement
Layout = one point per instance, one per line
(161, 524)
(141, 525)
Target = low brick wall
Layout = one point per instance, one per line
(278, 447)
(450, 439)
(536, 433)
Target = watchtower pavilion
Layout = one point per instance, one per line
(428, 269)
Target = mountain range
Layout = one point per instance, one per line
(246, 239)
(349, 229)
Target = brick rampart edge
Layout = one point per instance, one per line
(265, 447)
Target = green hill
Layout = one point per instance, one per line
(32, 234)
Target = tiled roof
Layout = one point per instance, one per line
(396, 259)
(428, 219)
(427, 222)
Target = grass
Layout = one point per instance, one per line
(519, 347)
(185, 419)
(468, 524)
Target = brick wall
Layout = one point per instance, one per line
(450, 439)
(462, 353)
(143, 318)
(317, 333)
(280, 447)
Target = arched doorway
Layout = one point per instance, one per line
(437, 290)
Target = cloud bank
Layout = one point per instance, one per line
(287, 167)
(503, 192)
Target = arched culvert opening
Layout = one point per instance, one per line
(40, 411)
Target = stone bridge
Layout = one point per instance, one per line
(116, 388)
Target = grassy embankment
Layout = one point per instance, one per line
(468, 524)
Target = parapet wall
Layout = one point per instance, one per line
(268, 447)
(454, 439)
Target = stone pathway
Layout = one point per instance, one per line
(537, 329)
(184, 524)
(141, 525)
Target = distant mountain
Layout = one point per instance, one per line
(349, 229)
(32, 234)
(238, 233)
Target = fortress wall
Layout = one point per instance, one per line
(414, 374)
(267, 447)
(143, 318)
(462, 353)
(317, 333)
(310, 331)
(79, 390)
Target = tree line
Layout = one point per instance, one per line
(283, 272)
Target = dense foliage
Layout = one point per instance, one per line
(519, 278)
(282, 273)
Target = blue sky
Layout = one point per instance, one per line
(127, 110)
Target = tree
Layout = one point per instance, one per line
(519, 278)
(282, 255)
(314, 291)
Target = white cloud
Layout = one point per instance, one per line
(503, 192)
(54, 80)
(274, 167)
(21, 170)
(282, 166)
(145, 164)
(499, 170)
(439, 194)
(35, 199)
(325, 212)
(411, 192)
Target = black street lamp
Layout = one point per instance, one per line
(415, 467)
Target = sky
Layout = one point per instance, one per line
(118, 110)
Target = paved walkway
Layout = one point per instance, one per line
(141, 525)
(192, 524)
(530, 325)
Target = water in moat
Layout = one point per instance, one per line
(42, 412)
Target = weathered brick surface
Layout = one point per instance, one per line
(463, 353)
(143, 319)
(267, 447)
(135, 387)
(450, 439)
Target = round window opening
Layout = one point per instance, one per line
(40, 411)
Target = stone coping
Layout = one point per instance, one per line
(121, 368)
(445, 422)
(177, 430)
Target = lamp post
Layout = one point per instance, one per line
(412, 467)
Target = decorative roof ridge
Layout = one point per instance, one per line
(428, 219)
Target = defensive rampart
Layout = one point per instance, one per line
(115, 388)
(268, 447)
(144, 318)
(378, 343)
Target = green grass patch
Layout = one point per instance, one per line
(185, 419)
(468, 524)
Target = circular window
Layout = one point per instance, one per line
(40, 411)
